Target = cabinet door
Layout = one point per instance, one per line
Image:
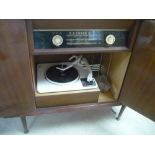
(16, 91)
(138, 91)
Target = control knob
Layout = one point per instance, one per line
(57, 40)
(110, 39)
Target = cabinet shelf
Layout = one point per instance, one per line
(80, 50)
(106, 97)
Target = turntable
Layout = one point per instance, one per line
(65, 76)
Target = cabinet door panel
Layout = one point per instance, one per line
(138, 91)
(16, 91)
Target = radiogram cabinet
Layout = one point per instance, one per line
(130, 69)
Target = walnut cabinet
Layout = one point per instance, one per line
(130, 70)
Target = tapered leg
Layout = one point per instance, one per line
(121, 112)
(24, 123)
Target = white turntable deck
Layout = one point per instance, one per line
(45, 86)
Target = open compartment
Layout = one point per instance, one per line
(112, 65)
(112, 60)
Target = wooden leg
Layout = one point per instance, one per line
(121, 112)
(24, 123)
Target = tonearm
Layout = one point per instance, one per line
(79, 61)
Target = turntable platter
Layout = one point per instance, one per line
(57, 76)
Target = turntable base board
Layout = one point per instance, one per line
(67, 98)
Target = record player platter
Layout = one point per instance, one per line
(50, 78)
(54, 75)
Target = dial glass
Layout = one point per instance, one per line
(57, 40)
(79, 38)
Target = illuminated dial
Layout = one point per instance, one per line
(110, 39)
(57, 40)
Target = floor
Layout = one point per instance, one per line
(98, 122)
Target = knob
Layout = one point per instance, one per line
(57, 40)
(110, 39)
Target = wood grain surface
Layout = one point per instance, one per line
(16, 91)
(139, 88)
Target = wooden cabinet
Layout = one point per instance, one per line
(18, 62)
(16, 90)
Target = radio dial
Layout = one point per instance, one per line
(110, 39)
(57, 40)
